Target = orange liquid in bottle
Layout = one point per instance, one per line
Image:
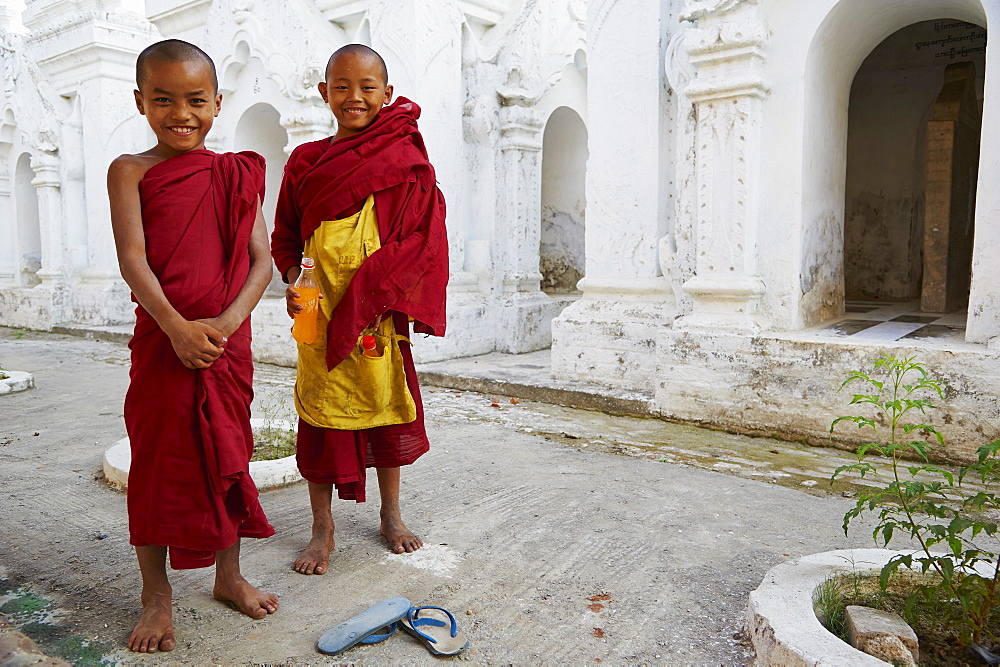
(304, 327)
(369, 347)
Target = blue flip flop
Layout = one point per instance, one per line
(373, 625)
(440, 636)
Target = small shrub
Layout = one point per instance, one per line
(276, 438)
(926, 502)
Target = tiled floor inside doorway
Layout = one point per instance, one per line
(899, 320)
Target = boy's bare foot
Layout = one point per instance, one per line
(316, 557)
(251, 601)
(155, 630)
(401, 540)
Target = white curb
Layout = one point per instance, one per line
(781, 619)
(265, 474)
(16, 381)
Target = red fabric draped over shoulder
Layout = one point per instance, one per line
(409, 273)
(189, 482)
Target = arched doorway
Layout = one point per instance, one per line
(912, 163)
(564, 167)
(847, 35)
(29, 237)
(259, 130)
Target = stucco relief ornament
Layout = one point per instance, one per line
(84, 17)
(519, 89)
(306, 116)
(11, 60)
(520, 122)
(698, 9)
(242, 11)
(46, 140)
(677, 66)
(479, 116)
(310, 77)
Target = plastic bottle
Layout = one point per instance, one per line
(304, 327)
(369, 347)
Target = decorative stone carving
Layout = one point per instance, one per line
(306, 123)
(624, 250)
(520, 128)
(677, 66)
(42, 29)
(236, 21)
(697, 9)
(727, 93)
(73, 46)
(728, 58)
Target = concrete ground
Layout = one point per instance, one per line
(555, 534)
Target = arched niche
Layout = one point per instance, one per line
(8, 125)
(901, 241)
(29, 237)
(849, 33)
(259, 130)
(235, 65)
(564, 168)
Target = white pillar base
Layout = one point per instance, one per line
(723, 303)
(525, 321)
(609, 336)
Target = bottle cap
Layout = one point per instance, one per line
(368, 342)
(308, 263)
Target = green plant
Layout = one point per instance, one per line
(829, 605)
(276, 438)
(924, 501)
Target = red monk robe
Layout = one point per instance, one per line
(189, 485)
(407, 276)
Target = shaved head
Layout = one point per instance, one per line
(171, 51)
(362, 52)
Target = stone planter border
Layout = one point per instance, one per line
(265, 474)
(781, 619)
(16, 381)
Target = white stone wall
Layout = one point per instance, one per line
(713, 139)
(786, 70)
(485, 72)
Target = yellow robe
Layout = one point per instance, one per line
(361, 392)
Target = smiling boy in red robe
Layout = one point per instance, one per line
(192, 246)
(377, 154)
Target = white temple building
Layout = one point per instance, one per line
(724, 204)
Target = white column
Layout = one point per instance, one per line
(524, 309)
(984, 294)
(728, 93)
(8, 225)
(47, 187)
